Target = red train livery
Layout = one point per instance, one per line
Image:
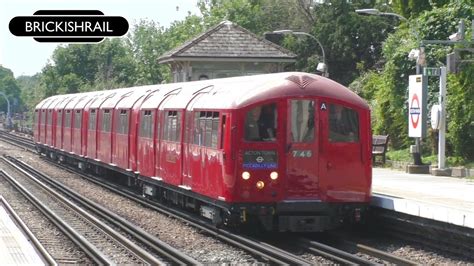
(285, 151)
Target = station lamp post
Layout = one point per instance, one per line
(322, 67)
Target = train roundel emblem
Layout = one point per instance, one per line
(259, 159)
(414, 110)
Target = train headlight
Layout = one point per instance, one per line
(274, 175)
(245, 175)
(260, 184)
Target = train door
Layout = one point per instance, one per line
(195, 154)
(342, 166)
(302, 149)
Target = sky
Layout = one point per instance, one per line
(25, 56)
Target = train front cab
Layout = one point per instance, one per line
(293, 152)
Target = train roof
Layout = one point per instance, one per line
(230, 93)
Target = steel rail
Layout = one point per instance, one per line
(332, 253)
(383, 255)
(31, 237)
(158, 246)
(143, 254)
(17, 141)
(270, 253)
(96, 255)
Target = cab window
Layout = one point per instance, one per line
(261, 123)
(343, 124)
(302, 120)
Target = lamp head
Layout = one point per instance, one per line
(368, 11)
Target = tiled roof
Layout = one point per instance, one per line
(228, 40)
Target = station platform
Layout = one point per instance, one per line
(445, 199)
(15, 248)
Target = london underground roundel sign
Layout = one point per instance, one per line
(415, 111)
(416, 105)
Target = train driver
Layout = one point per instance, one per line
(260, 123)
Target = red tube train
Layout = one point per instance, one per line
(287, 151)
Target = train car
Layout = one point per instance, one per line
(41, 120)
(285, 151)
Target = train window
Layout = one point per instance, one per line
(222, 131)
(67, 123)
(122, 122)
(92, 119)
(172, 128)
(59, 120)
(198, 130)
(208, 136)
(188, 133)
(78, 119)
(343, 124)
(43, 117)
(215, 129)
(106, 121)
(146, 124)
(206, 128)
(302, 120)
(260, 123)
(202, 127)
(50, 118)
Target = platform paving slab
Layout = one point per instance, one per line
(444, 199)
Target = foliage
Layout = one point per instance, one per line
(387, 88)
(461, 112)
(9, 87)
(412, 8)
(348, 39)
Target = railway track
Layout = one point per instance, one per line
(349, 247)
(268, 253)
(454, 239)
(103, 243)
(18, 141)
(45, 256)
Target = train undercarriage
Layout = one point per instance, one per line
(287, 216)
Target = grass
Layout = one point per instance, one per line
(405, 156)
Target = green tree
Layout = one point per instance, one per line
(387, 88)
(352, 42)
(147, 43)
(412, 8)
(9, 86)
